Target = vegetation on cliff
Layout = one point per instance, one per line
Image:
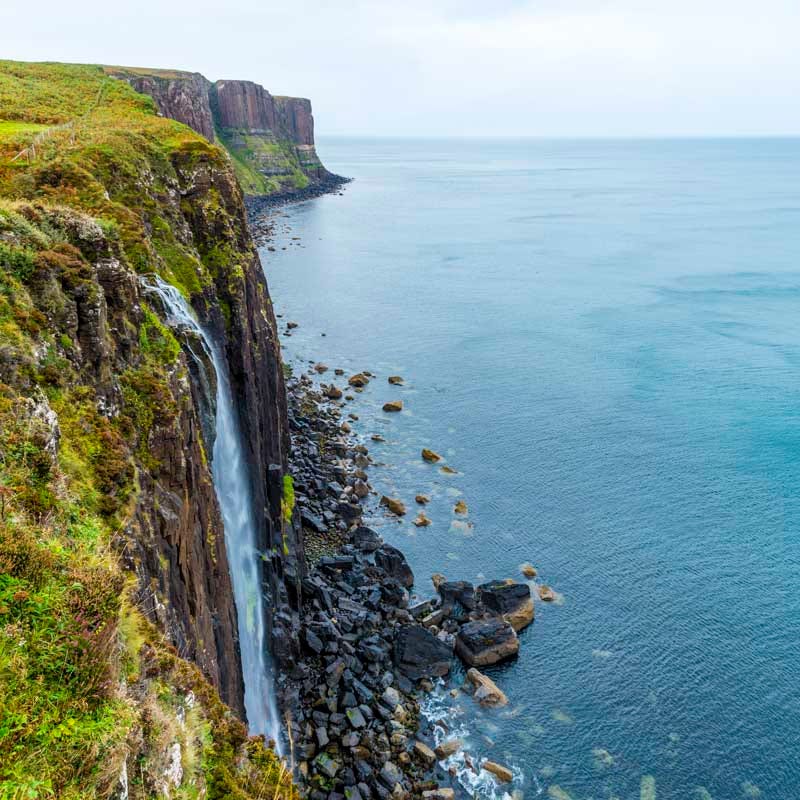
(97, 422)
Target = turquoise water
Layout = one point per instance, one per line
(603, 338)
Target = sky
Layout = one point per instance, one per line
(458, 67)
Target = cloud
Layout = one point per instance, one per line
(460, 67)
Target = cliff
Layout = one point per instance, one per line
(270, 138)
(118, 632)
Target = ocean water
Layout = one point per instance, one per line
(603, 339)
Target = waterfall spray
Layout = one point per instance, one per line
(232, 482)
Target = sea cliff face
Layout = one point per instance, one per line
(115, 592)
(270, 138)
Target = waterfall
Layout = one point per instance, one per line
(232, 482)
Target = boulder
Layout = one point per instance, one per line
(333, 392)
(445, 470)
(419, 654)
(422, 499)
(460, 507)
(528, 570)
(338, 372)
(508, 599)
(320, 368)
(424, 754)
(394, 564)
(376, 437)
(546, 594)
(291, 325)
(360, 489)
(359, 380)
(421, 521)
(448, 748)
(395, 380)
(503, 774)
(394, 505)
(453, 592)
(430, 456)
(486, 641)
(393, 406)
(366, 539)
(484, 690)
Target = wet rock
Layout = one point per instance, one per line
(376, 437)
(291, 325)
(419, 654)
(442, 793)
(360, 489)
(394, 564)
(393, 406)
(448, 748)
(484, 642)
(484, 690)
(338, 372)
(333, 392)
(460, 507)
(453, 592)
(359, 380)
(395, 380)
(528, 570)
(510, 600)
(421, 521)
(503, 774)
(394, 505)
(445, 470)
(430, 456)
(546, 594)
(320, 368)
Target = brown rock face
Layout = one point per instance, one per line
(246, 105)
(182, 96)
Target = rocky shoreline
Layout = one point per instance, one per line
(370, 650)
(259, 206)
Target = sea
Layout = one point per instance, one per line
(602, 339)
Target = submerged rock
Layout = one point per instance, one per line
(422, 499)
(393, 406)
(460, 507)
(422, 521)
(430, 456)
(395, 380)
(445, 470)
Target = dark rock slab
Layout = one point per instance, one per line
(486, 641)
(419, 654)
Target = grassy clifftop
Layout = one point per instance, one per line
(95, 416)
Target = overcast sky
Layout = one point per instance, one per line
(459, 67)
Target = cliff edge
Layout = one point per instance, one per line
(269, 138)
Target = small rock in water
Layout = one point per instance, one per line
(359, 379)
(503, 774)
(333, 393)
(345, 428)
(460, 507)
(422, 499)
(393, 406)
(376, 437)
(448, 470)
(546, 594)
(395, 380)
(320, 368)
(338, 372)
(528, 570)
(486, 691)
(394, 505)
(421, 521)
(430, 456)
(424, 754)
(291, 325)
